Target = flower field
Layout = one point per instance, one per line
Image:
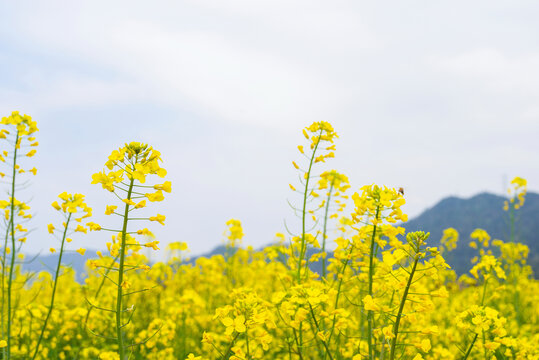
(381, 294)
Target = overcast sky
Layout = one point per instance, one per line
(440, 97)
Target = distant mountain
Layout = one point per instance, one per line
(483, 211)
(49, 262)
(218, 250)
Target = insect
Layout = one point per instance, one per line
(401, 191)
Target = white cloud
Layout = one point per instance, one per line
(441, 99)
(225, 75)
(496, 70)
(63, 91)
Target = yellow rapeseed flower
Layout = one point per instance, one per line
(237, 324)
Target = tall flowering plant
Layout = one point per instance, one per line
(73, 210)
(320, 137)
(19, 133)
(128, 169)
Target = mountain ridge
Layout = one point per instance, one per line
(483, 210)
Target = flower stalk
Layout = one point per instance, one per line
(120, 285)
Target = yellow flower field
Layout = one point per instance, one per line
(382, 294)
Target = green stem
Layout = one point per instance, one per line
(512, 222)
(341, 278)
(12, 264)
(300, 348)
(485, 351)
(401, 308)
(4, 258)
(370, 314)
(484, 292)
(230, 346)
(109, 268)
(51, 306)
(119, 306)
(318, 328)
(470, 348)
(324, 270)
(304, 211)
(247, 344)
